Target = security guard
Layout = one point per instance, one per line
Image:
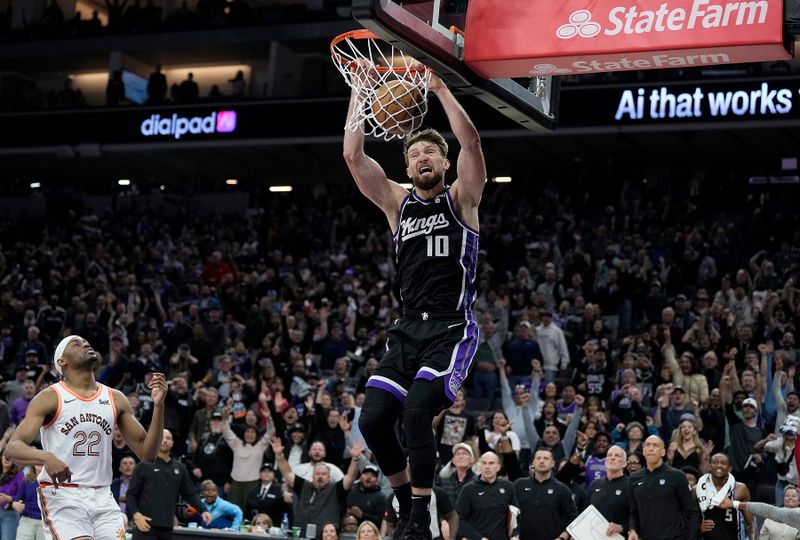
(662, 507)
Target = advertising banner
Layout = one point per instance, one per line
(520, 38)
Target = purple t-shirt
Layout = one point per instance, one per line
(18, 409)
(27, 494)
(11, 488)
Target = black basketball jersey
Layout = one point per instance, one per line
(436, 255)
(726, 524)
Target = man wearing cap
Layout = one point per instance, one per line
(553, 345)
(366, 500)
(266, 498)
(744, 432)
(458, 472)
(213, 459)
(672, 405)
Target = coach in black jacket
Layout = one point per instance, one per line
(610, 494)
(662, 507)
(482, 505)
(153, 494)
(546, 504)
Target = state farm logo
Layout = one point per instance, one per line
(549, 69)
(580, 24)
(700, 15)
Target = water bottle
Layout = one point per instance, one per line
(285, 525)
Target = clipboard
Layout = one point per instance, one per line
(591, 525)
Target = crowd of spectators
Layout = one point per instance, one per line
(141, 17)
(605, 318)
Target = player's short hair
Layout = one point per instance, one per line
(430, 135)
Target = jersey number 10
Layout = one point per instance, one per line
(438, 246)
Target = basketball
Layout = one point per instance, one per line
(398, 107)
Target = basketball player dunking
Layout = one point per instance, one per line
(76, 418)
(429, 350)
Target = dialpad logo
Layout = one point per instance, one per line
(580, 24)
(226, 121)
(177, 126)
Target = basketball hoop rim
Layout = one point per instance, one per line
(365, 34)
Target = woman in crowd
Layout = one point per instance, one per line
(774, 530)
(499, 420)
(686, 448)
(26, 504)
(782, 449)
(368, 531)
(248, 455)
(330, 532)
(11, 479)
(261, 524)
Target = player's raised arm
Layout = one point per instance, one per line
(471, 167)
(145, 444)
(368, 174)
(19, 450)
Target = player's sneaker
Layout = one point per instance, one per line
(415, 531)
(400, 527)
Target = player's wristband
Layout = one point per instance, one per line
(735, 505)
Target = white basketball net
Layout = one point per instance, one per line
(368, 65)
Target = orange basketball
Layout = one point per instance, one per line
(398, 107)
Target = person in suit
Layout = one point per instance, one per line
(267, 497)
(119, 486)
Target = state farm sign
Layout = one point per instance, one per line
(519, 38)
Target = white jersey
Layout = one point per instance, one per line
(80, 435)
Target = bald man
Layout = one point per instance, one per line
(610, 494)
(482, 505)
(662, 507)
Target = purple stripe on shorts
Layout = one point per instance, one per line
(388, 387)
(427, 375)
(464, 355)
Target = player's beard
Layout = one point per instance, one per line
(429, 182)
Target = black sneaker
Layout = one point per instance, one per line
(400, 527)
(415, 531)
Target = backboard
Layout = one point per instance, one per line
(428, 31)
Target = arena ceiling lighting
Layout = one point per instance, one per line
(124, 182)
(502, 179)
(280, 189)
(36, 185)
(407, 185)
(232, 181)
